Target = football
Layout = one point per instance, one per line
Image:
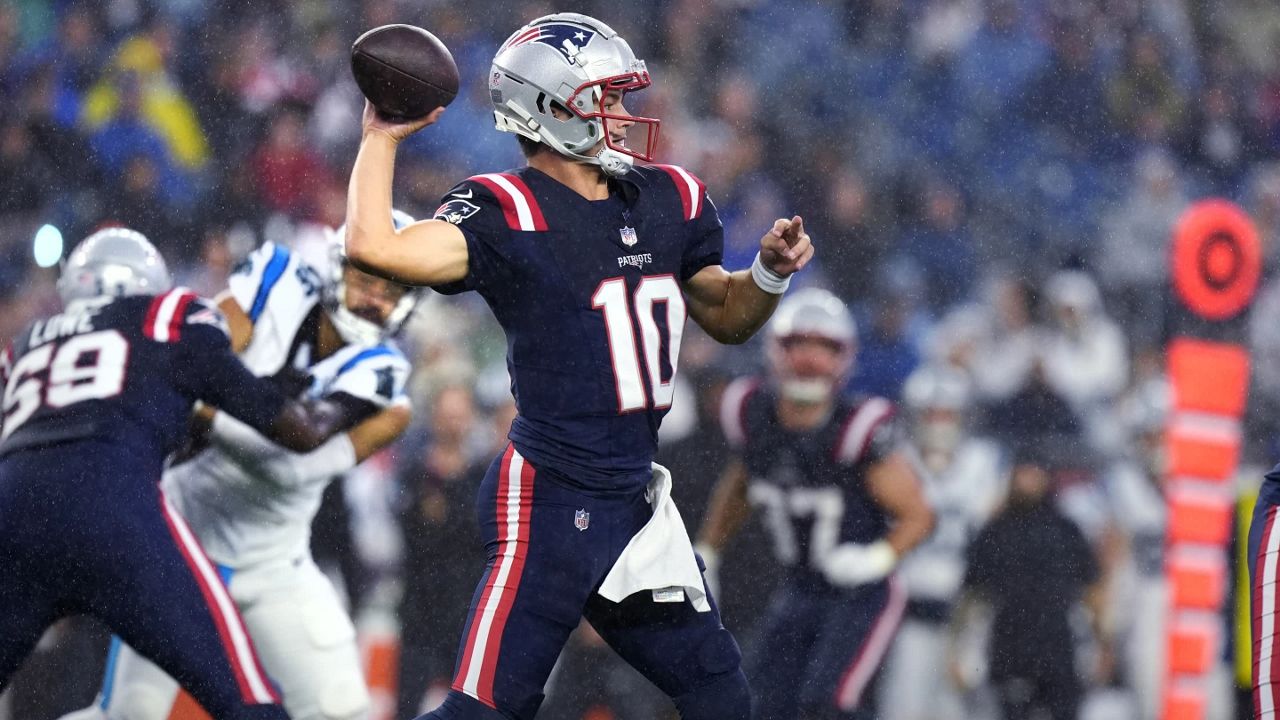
(405, 71)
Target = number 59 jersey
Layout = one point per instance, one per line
(589, 295)
(126, 371)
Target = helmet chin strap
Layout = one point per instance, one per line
(614, 163)
(611, 162)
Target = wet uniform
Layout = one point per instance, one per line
(253, 516)
(95, 398)
(589, 295)
(820, 646)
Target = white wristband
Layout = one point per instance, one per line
(768, 280)
(852, 564)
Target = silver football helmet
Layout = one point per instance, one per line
(569, 62)
(815, 314)
(114, 262)
(352, 326)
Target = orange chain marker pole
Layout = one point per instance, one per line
(1217, 263)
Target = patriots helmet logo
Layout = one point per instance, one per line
(568, 39)
(455, 210)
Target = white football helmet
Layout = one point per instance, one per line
(353, 327)
(811, 313)
(568, 62)
(116, 262)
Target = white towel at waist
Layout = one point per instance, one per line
(659, 556)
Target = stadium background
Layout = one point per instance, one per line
(991, 184)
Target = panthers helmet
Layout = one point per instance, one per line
(352, 327)
(568, 62)
(115, 262)
(815, 314)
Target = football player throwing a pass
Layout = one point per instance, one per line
(591, 263)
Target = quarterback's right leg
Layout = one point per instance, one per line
(688, 654)
(541, 569)
(1264, 567)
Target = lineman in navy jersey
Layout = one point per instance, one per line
(591, 266)
(251, 506)
(95, 398)
(842, 502)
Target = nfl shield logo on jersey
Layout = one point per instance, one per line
(629, 236)
(582, 519)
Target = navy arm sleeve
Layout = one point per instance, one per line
(706, 246)
(206, 369)
(471, 207)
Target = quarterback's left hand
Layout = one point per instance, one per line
(786, 247)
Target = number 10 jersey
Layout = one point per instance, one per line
(589, 295)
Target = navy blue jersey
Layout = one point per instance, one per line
(126, 371)
(589, 294)
(810, 484)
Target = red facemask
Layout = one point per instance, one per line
(637, 131)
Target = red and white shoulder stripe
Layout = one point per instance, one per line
(733, 409)
(860, 427)
(690, 188)
(163, 322)
(519, 205)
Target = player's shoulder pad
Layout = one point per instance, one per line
(859, 424)
(273, 273)
(689, 191)
(377, 373)
(738, 396)
(506, 192)
(169, 313)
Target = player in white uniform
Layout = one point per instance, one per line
(1135, 500)
(251, 503)
(963, 482)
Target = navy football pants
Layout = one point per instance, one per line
(80, 532)
(550, 547)
(820, 649)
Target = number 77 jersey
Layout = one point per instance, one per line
(589, 295)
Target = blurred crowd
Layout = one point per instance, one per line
(991, 185)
